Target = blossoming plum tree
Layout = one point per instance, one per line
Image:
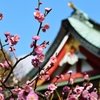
(28, 90)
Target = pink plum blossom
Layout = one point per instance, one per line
(53, 59)
(85, 94)
(35, 62)
(39, 50)
(66, 89)
(93, 96)
(39, 16)
(45, 27)
(41, 57)
(78, 89)
(86, 77)
(52, 87)
(12, 40)
(32, 96)
(23, 93)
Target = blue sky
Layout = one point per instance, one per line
(18, 19)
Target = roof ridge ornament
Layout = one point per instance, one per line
(80, 15)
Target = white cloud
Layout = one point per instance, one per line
(23, 67)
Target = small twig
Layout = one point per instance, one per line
(5, 45)
(39, 4)
(15, 55)
(4, 54)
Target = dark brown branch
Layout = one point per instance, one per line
(16, 65)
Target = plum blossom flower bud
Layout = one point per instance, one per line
(47, 93)
(35, 63)
(42, 72)
(71, 81)
(40, 3)
(47, 9)
(36, 37)
(45, 27)
(7, 34)
(57, 76)
(32, 44)
(47, 77)
(69, 72)
(40, 17)
(2, 65)
(1, 16)
(46, 73)
(86, 77)
(89, 86)
(62, 76)
(53, 59)
(11, 49)
(36, 8)
(39, 50)
(6, 64)
(66, 89)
